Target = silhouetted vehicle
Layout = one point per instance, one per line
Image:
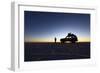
(70, 37)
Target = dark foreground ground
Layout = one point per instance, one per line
(56, 51)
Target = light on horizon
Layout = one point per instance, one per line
(80, 39)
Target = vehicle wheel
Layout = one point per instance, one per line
(73, 41)
(62, 42)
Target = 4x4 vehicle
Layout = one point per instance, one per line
(70, 37)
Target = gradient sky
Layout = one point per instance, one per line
(45, 26)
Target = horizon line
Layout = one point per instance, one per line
(58, 42)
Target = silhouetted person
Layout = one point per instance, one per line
(55, 39)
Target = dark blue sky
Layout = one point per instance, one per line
(44, 26)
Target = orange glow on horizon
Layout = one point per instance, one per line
(83, 39)
(80, 39)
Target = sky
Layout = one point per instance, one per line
(45, 26)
